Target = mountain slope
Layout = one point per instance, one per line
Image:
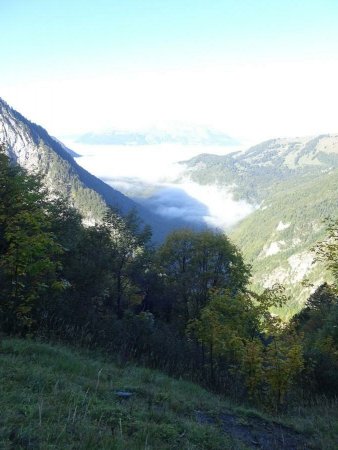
(33, 148)
(255, 172)
(294, 186)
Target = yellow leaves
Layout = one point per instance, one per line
(284, 360)
(252, 365)
(269, 362)
(225, 323)
(272, 369)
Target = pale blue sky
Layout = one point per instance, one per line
(212, 59)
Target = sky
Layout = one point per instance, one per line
(254, 69)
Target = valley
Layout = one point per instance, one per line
(168, 225)
(273, 198)
(79, 285)
(153, 176)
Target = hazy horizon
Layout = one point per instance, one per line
(253, 70)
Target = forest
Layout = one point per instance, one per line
(184, 307)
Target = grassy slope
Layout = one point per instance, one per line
(304, 207)
(53, 397)
(297, 181)
(56, 398)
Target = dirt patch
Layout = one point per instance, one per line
(256, 433)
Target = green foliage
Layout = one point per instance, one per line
(184, 307)
(319, 318)
(194, 264)
(327, 249)
(292, 182)
(283, 361)
(56, 397)
(128, 252)
(226, 323)
(240, 330)
(29, 251)
(318, 322)
(304, 207)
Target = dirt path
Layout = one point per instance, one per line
(256, 433)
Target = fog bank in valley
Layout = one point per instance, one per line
(154, 176)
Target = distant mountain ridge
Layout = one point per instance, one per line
(294, 185)
(180, 135)
(34, 149)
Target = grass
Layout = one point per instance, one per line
(319, 420)
(53, 397)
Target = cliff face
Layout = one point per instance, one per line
(30, 146)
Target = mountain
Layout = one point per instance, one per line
(68, 150)
(184, 135)
(33, 148)
(293, 184)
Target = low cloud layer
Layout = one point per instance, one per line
(149, 175)
(203, 205)
(174, 202)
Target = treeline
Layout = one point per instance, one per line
(183, 307)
